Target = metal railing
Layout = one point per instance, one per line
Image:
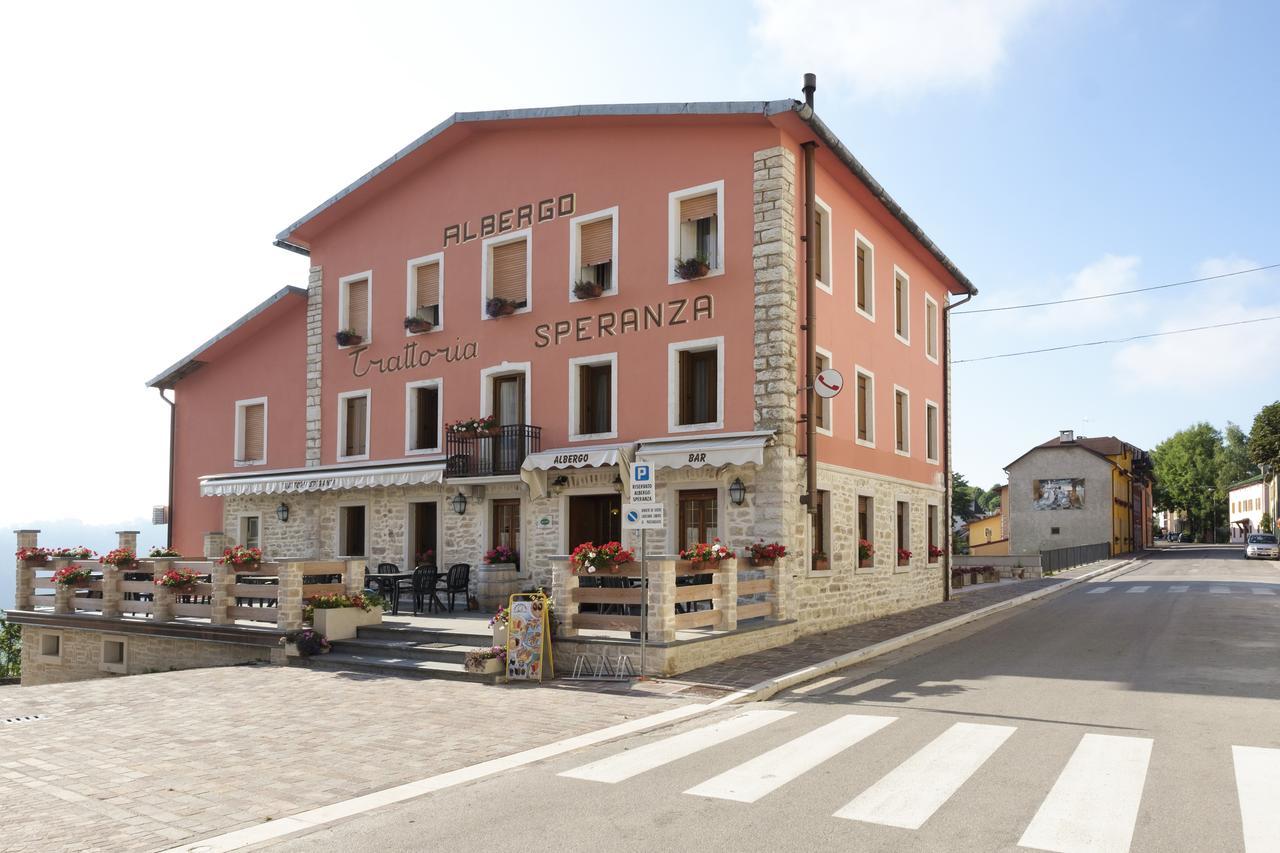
(500, 451)
(1077, 555)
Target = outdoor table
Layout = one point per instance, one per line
(393, 580)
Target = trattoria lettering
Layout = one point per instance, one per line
(673, 312)
(411, 358)
(511, 219)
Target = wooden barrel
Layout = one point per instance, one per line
(496, 583)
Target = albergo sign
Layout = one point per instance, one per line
(511, 219)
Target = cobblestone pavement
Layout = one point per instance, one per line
(149, 761)
(751, 669)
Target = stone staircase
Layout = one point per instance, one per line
(405, 651)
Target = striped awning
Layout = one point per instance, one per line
(712, 451)
(536, 465)
(323, 479)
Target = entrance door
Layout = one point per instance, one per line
(508, 407)
(594, 518)
(422, 543)
(698, 517)
(505, 523)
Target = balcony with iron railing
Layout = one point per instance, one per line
(499, 451)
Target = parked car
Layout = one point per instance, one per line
(1186, 537)
(1264, 546)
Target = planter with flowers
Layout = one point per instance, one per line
(71, 577)
(587, 289)
(338, 616)
(821, 561)
(304, 642)
(590, 558)
(904, 557)
(416, 325)
(63, 557)
(703, 554)
(121, 558)
(766, 554)
(33, 557)
(958, 577)
(498, 622)
(159, 553)
(499, 307)
(691, 268)
(935, 553)
(497, 577)
(348, 337)
(866, 553)
(178, 580)
(474, 426)
(242, 558)
(489, 661)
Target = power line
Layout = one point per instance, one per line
(1116, 293)
(1115, 340)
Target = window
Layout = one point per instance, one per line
(353, 425)
(695, 385)
(352, 531)
(505, 529)
(901, 306)
(696, 227)
(864, 290)
(866, 531)
(426, 292)
(904, 531)
(355, 305)
(251, 432)
(823, 412)
(865, 401)
(507, 273)
(593, 251)
(114, 655)
(931, 521)
(698, 517)
(822, 249)
(820, 558)
(1054, 531)
(251, 531)
(592, 405)
(422, 416)
(901, 422)
(931, 432)
(930, 328)
(50, 648)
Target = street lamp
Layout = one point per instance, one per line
(737, 492)
(282, 512)
(459, 503)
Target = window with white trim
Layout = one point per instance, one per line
(250, 532)
(425, 294)
(251, 432)
(593, 255)
(931, 432)
(423, 412)
(901, 421)
(866, 531)
(507, 274)
(696, 232)
(823, 411)
(903, 539)
(822, 251)
(865, 277)
(931, 521)
(930, 328)
(593, 406)
(865, 402)
(901, 306)
(355, 307)
(696, 385)
(353, 425)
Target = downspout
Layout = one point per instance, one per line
(810, 498)
(173, 431)
(946, 446)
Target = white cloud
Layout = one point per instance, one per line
(893, 47)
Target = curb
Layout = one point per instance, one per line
(768, 688)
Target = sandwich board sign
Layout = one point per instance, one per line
(642, 483)
(529, 638)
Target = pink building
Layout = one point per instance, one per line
(608, 284)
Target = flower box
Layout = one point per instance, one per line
(488, 666)
(691, 268)
(821, 564)
(499, 307)
(762, 562)
(340, 623)
(588, 290)
(348, 338)
(418, 325)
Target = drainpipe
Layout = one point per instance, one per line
(946, 446)
(173, 430)
(810, 498)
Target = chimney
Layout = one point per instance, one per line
(1066, 436)
(810, 85)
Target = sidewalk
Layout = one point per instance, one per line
(748, 670)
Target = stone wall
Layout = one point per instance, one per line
(315, 343)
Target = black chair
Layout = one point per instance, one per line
(424, 580)
(457, 581)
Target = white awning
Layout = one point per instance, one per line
(321, 480)
(536, 465)
(713, 451)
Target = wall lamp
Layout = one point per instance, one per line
(282, 512)
(737, 492)
(459, 503)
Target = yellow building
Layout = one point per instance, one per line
(989, 535)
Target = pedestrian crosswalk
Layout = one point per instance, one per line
(1102, 588)
(1093, 805)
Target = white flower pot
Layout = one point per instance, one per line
(340, 623)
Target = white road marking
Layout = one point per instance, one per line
(865, 687)
(818, 685)
(1094, 804)
(1179, 588)
(918, 787)
(1220, 590)
(1099, 590)
(633, 762)
(1257, 590)
(748, 782)
(1257, 781)
(1138, 589)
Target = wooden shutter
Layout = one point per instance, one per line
(819, 270)
(862, 278)
(427, 286)
(255, 433)
(698, 207)
(509, 277)
(358, 307)
(899, 417)
(597, 242)
(357, 409)
(899, 308)
(863, 413)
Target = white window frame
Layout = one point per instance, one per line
(673, 383)
(906, 413)
(240, 520)
(871, 275)
(342, 424)
(673, 229)
(337, 528)
(931, 340)
(486, 262)
(825, 261)
(575, 250)
(937, 429)
(858, 533)
(906, 305)
(344, 306)
(575, 393)
(910, 544)
(828, 409)
(411, 290)
(504, 369)
(410, 411)
(237, 457)
(870, 441)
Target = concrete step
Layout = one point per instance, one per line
(407, 648)
(378, 665)
(425, 636)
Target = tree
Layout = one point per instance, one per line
(1264, 438)
(989, 500)
(964, 497)
(1234, 464)
(1186, 473)
(1265, 524)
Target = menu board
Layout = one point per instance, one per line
(529, 638)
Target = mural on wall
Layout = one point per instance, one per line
(1062, 493)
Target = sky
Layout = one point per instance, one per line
(1052, 149)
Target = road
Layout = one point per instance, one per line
(1139, 711)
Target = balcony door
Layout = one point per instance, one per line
(508, 407)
